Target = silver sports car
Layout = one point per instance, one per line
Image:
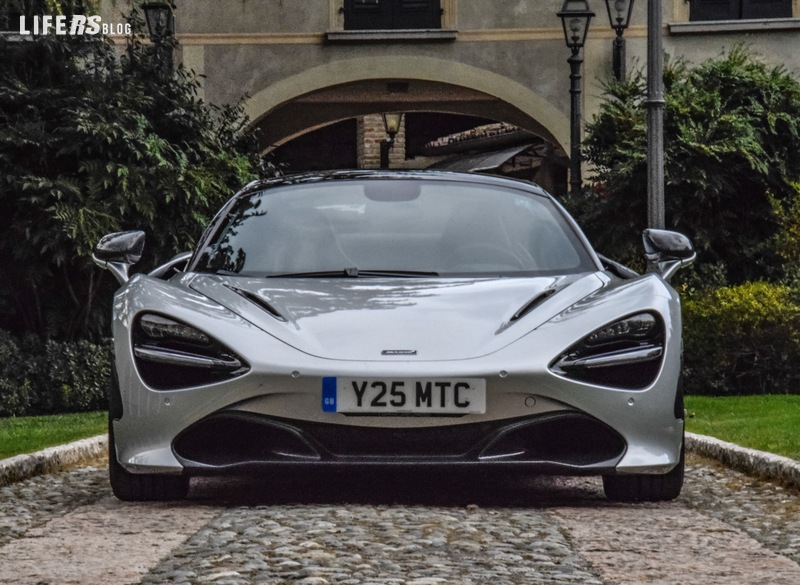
(403, 320)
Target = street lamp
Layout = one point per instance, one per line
(655, 116)
(619, 17)
(391, 124)
(160, 21)
(575, 16)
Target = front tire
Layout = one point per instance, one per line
(645, 487)
(137, 487)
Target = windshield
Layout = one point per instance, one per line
(411, 227)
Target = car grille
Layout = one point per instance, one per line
(568, 440)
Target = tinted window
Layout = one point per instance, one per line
(407, 225)
(392, 14)
(739, 9)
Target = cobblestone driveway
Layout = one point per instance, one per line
(725, 529)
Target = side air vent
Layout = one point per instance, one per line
(261, 302)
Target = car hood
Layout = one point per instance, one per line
(368, 319)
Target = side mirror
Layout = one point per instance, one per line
(667, 251)
(117, 252)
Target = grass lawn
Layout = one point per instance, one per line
(29, 434)
(765, 422)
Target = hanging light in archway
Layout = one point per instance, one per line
(391, 124)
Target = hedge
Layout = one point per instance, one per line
(742, 339)
(49, 377)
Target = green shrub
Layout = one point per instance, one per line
(52, 377)
(742, 340)
(15, 388)
(74, 377)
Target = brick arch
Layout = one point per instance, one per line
(530, 110)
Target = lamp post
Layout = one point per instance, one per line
(391, 124)
(575, 16)
(619, 17)
(160, 21)
(655, 117)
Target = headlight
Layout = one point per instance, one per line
(170, 354)
(158, 327)
(623, 354)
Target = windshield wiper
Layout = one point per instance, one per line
(346, 272)
(412, 273)
(353, 273)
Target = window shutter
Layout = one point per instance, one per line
(417, 14)
(714, 10)
(367, 14)
(766, 8)
(392, 14)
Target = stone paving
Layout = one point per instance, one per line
(35, 501)
(726, 528)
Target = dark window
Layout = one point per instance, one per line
(330, 147)
(739, 9)
(392, 14)
(423, 127)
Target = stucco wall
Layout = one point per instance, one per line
(272, 49)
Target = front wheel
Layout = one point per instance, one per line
(645, 487)
(137, 487)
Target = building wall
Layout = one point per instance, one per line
(276, 51)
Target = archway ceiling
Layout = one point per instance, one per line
(331, 104)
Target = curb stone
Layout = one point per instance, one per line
(51, 459)
(749, 461)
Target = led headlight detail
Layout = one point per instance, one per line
(158, 327)
(639, 326)
(624, 354)
(170, 354)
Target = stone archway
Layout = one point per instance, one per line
(360, 86)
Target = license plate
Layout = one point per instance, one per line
(404, 396)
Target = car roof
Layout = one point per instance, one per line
(351, 175)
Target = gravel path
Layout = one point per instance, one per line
(725, 529)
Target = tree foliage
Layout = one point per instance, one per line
(732, 150)
(92, 143)
(11, 10)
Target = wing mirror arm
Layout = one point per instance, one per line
(667, 251)
(119, 251)
(120, 270)
(177, 262)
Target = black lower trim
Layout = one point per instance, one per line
(551, 443)
(114, 395)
